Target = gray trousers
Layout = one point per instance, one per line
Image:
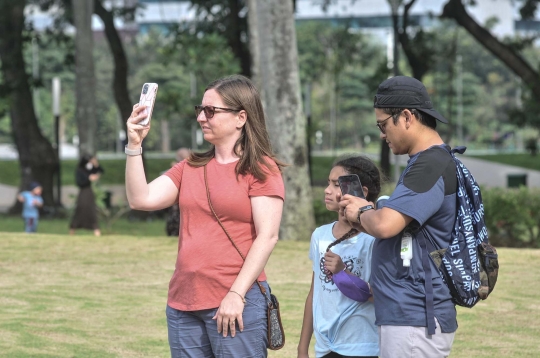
(414, 342)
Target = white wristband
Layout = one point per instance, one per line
(133, 152)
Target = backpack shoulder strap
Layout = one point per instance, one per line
(428, 284)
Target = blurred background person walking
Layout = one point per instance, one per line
(85, 216)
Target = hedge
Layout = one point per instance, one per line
(512, 216)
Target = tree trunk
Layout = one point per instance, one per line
(165, 135)
(385, 159)
(235, 27)
(85, 82)
(455, 9)
(275, 59)
(418, 64)
(37, 158)
(120, 88)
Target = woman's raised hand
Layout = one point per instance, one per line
(136, 132)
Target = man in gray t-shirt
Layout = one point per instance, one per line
(414, 321)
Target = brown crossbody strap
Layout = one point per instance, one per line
(263, 290)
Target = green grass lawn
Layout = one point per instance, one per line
(153, 226)
(519, 160)
(82, 296)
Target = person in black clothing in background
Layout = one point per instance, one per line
(172, 225)
(85, 216)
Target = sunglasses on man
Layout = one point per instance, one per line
(382, 124)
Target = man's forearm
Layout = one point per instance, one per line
(384, 223)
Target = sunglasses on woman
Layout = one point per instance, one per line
(209, 111)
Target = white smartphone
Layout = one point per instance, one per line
(148, 98)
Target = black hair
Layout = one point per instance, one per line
(85, 159)
(370, 177)
(367, 171)
(352, 232)
(423, 118)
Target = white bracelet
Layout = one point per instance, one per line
(133, 152)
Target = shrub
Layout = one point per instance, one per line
(322, 214)
(512, 216)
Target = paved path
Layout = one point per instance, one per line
(487, 173)
(491, 174)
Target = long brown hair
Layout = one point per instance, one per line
(254, 144)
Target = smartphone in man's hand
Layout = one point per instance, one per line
(148, 97)
(350, 184)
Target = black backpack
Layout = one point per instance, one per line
(469, 265)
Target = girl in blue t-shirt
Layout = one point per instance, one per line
(339, 309)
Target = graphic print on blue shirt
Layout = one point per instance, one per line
(341, 324)
(352, 263)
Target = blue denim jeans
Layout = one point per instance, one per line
(193, 334)
(30, 224)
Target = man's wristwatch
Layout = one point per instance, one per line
(133, 152)
(363, 209)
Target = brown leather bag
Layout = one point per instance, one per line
(276, 334)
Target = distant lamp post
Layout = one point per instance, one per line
(196, 137)
(56, 113)
(307, 109)
(394, 6)
(459, 90)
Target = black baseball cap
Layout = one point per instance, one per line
(405, 92)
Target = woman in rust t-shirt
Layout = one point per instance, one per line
(212, 294)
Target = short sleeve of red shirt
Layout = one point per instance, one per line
(271, 186)
(175, 173)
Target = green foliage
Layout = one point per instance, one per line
(175, 58)
(341, 65)
(322, 214)
(528, 9)
(486, 80)
(531, 144)
(513, 216)
(320, 169)
(153, 57)
(9, 172)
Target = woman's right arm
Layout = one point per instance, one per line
(307, 325)
(160, 193)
